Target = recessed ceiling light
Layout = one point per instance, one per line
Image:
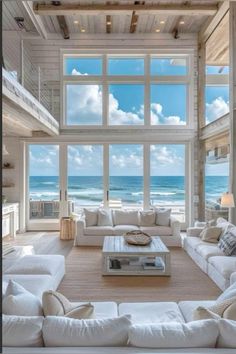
(82, 30)
(181, 22)
(158, 30)
(108, 22)
(162, 22)
(76, 22)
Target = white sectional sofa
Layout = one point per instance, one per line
(220, 268)
(87, 235)
(36, 273)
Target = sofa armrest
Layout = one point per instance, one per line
(175, 226)
(194, 231)
(80, 226)
(233, 278)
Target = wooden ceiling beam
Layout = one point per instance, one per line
(61, 21)
(134, 22)
(102, 9)
(108, 23)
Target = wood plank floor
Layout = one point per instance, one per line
(83, 280)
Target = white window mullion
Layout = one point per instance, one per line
(147, 98)
(63, 179)
(105, 93)
(146, 176)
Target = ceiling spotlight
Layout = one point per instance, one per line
(162, 22)
(76, 22)
(158, 30)
(20, 22)
(82, 30)
(108, 22)
(181, 22)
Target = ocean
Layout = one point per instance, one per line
(88, 190)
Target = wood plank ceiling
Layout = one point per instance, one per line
(116, 22)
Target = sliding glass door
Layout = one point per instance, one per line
(85, 176)
(126, 175)
(44, 182)
(167, 178)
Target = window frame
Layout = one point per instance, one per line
(147, 79)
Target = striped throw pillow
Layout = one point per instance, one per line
(227, 243)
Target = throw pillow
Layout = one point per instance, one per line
(211, 234)
(91, 217)
(56, 304)
(126, 217)
(20, 302)
(67, 332)
(224, 309)
(4, 288)
(147, 218)
(104, 217)
(228, 293)
(225, 225)
(200, 334)
(163, 217)
(22, 331)
(227, 242)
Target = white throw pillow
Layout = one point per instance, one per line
(126, 217)
(91, 217)
(20, 302)
(200, 334)
(211, 234)
(22, 331)
(4, 288)
(225, 225)
(228, 293)
(147, 218)
(104, 217)
(66, 332)
(163, 217)
(227, 336)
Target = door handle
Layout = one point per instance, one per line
(107, 195)
(66, 196)
(60, 195)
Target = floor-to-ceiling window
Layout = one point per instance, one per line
(85, 175)
(216, 176)
(167, 178)
(44, 184)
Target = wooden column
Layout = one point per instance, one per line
(232, 90)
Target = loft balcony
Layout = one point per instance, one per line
(23, 113)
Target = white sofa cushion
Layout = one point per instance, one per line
(228, 293)
(193, 241)
(105, 217)
(163, 216)
(20, 302)
(66, 332)
(126, 217)
(108, 309)
(4, 287)
(157, 230)
(187, 308)
(37, 264)
(121, 229)
(91, 217)
(227, 335)
(208, 250)
(224, 265)
(35, 283)
(147, 218)
(99, 231)
(151, 312)
(22, 331)
(200, 334)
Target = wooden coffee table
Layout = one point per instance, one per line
(120, 258)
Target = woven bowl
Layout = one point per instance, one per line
(137, 238)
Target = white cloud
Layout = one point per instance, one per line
(128, 161)
(43, 161)
(157, 116)
(216, 109)
(162, 155)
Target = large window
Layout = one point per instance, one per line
(167, 178)
(85, 175)
(43, 187)
(126, 90)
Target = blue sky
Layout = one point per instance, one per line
(126, 106)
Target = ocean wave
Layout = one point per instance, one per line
(163, 193)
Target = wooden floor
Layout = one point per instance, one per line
(83, 280)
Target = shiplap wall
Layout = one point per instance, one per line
(11, 49)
